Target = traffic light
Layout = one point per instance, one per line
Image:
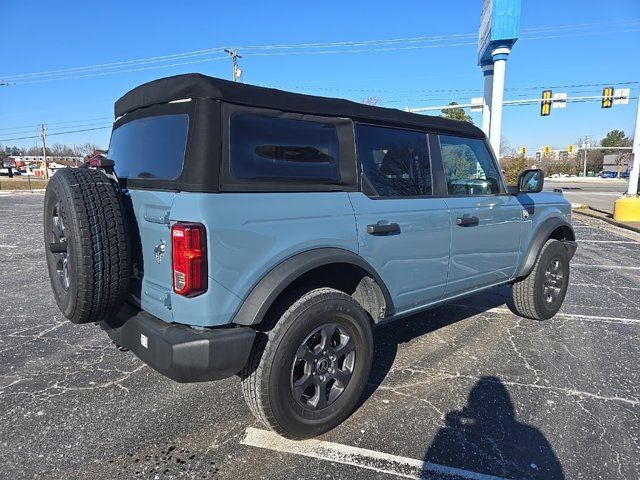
(547, 150)
(545, 105)
(523, 151)
(607, 97)
(570, 149)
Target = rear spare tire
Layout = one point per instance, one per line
(86, 244)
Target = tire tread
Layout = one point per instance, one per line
(103, 262)
(525, 294)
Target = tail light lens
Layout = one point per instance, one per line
(189, 258)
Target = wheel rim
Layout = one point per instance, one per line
(58, 247)
(553, 280)
(323, 366)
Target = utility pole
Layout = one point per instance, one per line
(43, 135)
(585, 145)
(237, 72)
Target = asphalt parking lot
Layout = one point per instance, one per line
(598, 193)
(464, 391)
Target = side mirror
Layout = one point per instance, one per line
(529, 181)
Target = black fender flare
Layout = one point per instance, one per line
(540, 237)
(266, 291)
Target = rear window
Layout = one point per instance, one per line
(266, 148)
(150, 147)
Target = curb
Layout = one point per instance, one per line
(599, 216)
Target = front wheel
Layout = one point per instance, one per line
(539, 296)
(306, 374)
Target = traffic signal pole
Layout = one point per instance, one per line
(627, 208)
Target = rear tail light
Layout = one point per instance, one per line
(189, 258)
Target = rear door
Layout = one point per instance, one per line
(150, 149)
(485, 220)
(403, 229)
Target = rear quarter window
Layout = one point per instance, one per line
(150, 147)
(264, 148)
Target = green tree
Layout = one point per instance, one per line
(616, 138)
(513, 167)
(456, 114)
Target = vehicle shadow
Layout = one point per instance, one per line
(388, 336)
(485, 437)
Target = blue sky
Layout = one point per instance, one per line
(61, 35)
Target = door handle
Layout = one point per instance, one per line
(467, 221)
(383, 229)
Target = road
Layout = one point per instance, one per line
(598, 194)
(463, 391)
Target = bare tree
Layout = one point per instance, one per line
(84, 149)
(61, 150)
(506, 150)
(374, 101)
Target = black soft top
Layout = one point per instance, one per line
(195, 85)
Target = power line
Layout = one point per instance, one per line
(84, 72)
(81, 123)
(122, 71)
(60, 128)
(57, 123)
(447, 90)
(57, 133)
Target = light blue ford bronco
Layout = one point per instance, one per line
(236, 229)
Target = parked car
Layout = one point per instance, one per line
(236, 229)
(608, 174)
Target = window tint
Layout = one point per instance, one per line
(468, 167)
(267, 148)
(151, 147)
(396, 162)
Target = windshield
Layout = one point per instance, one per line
(150, 147)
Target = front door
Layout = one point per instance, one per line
(403, 230)
(485, 219)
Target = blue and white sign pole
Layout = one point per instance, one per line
(499, 25)
(487, 71)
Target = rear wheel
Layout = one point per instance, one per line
(306, 374)
(86, 245)
(540, 295)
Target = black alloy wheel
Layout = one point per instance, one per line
(323, 366)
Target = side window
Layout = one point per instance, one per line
(265, 148)
(394, 161)
(468, 166)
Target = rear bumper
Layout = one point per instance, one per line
(179, 352)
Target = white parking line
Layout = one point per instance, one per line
(608, 241)
(592, 318)
(358, 457)
(613, 267)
